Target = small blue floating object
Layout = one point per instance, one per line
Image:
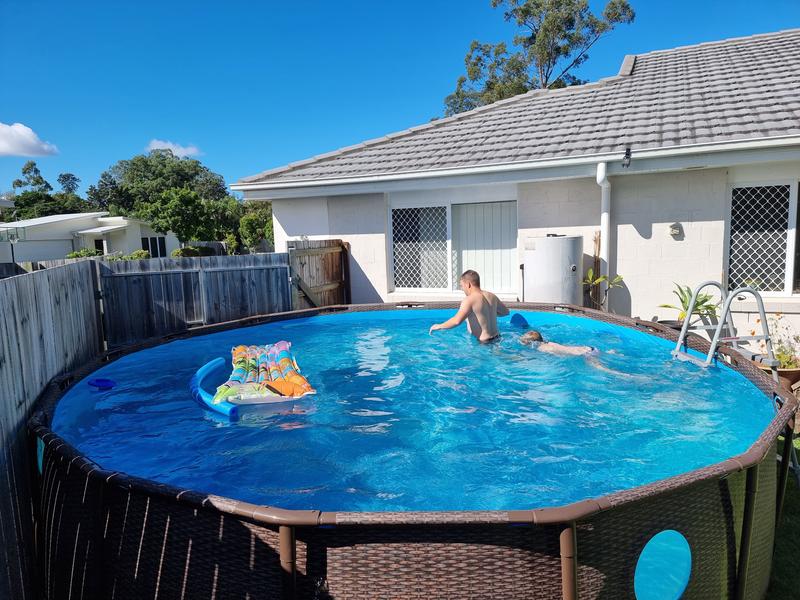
(102, 384)
(517, 320)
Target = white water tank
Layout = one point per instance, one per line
(553, 269)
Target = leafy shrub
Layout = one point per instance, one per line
(206, 251)
(185, 252)
(137, 255)
(84, 253)
(231, 243)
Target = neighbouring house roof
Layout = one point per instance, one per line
(732, 90)
(51, 219)
(103, 229)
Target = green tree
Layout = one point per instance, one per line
(256, 224)
(69, 183)
(33, 204)
(553, 39)
(32, 179)
(109, 195)
(144, 178)
(222, 217)
(179, 210)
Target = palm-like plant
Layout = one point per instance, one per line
(705, 306)
(597, 295)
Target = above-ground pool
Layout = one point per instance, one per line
(403, 420)
(424, 466)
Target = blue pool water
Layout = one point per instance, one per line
(407, 421)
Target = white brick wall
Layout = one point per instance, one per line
(642, 209)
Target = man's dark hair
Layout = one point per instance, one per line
(472, 277)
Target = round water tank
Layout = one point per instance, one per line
(553, 269)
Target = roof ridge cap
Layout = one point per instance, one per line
(754, 36)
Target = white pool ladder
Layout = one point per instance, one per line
(681, 351)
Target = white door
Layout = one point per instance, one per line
(484, 239)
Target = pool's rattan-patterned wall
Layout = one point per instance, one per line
(107, 535)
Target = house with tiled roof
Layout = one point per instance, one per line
(683, 167)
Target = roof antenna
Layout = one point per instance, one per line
(626, 160)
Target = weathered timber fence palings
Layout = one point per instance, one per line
(155, 297)
(320, 273)
(52, 321)
(49, 324)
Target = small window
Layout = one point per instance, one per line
(758, 254)
(145, 244)
(98, 245)
(162, 246)
(419, 243)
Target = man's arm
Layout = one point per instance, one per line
(502, 309)
(457, 319)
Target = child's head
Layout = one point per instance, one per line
(531, 336)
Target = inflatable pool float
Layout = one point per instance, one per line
(261, 375)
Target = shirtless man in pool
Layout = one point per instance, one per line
(480, 309)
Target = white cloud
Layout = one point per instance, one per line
(18, 140)
(177, 149)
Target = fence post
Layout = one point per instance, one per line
(346, 290)
(201, 280)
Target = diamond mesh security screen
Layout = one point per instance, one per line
(419, 238)
(759, 220)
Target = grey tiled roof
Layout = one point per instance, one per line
(730, 90)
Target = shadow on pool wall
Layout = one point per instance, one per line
(103, 534)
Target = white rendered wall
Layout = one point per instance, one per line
(27, 250)
(297, 218)
(359, 220)
(5, 252)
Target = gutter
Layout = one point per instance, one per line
(587, 159)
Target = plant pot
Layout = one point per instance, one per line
(788, 376)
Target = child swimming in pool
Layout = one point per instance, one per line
(529, 338)
(534, 338)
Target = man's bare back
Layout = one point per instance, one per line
(480, 309)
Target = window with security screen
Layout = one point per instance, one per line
(758, 250)
(419, 242)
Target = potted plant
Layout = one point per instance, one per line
(785, 345)
(704, 307)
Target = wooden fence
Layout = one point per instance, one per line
(155, 297)
(65, 313)
(10, 269)
(49, 324)
(320, 273)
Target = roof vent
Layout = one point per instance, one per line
(627, 65)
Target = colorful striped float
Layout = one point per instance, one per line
(261, 375)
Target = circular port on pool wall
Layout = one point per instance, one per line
(663, 568)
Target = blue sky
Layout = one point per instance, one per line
(253, 85)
